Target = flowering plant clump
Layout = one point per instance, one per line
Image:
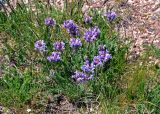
(40, 45)
(71, 55)
(92, 34)
(59, 46)
(50, 22)
(71, 27)
(87, 70)
(110, 15)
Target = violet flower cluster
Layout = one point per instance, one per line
(92, 34)
(81, 77)
(71, 27)
(87, 66)
(49, 22)
(110, 15)
(54, 57)
(59, 46)
(40, 45)
(104, 54)
(97, 61)
(75, 42)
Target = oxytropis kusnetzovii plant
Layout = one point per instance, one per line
(87, 70)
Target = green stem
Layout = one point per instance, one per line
(47, 37)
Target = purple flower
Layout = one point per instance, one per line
(68, 24)
(81, 77)
(71, 27)
(91, 34)
(97, 61)
(87, 67)
(87, 19)
(40, 45)
(54, 57)
(101, 48)
(75, 42)
(104, 55)
(73, 31)
(59, 46)
(110, 15)
(49, 21)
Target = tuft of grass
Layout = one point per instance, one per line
(17, 89)
(139, 89)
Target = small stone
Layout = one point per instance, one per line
(29, 110)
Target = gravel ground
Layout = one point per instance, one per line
(140, 23)
(144, 27)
